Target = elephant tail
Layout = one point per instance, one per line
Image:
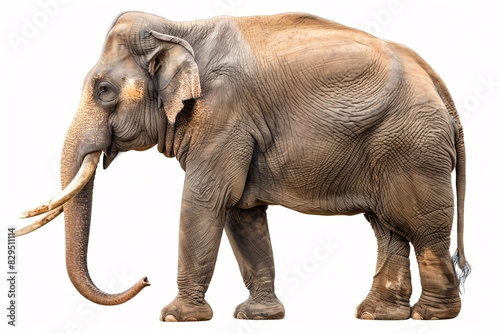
(462, 267)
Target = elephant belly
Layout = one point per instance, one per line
(306, 203)
(309, 188)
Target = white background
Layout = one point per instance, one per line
(136, 206)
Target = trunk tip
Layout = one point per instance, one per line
(146, 282)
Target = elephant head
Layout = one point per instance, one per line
(130, 101)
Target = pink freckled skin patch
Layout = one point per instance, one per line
(133, 90)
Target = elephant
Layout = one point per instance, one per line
(288, 109)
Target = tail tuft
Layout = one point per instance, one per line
(461, 270)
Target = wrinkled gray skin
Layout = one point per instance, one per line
(289, 110)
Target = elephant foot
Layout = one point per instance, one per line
(181, 310)
(383, 310)
(440, 298)
(260, 309)
(425, 309)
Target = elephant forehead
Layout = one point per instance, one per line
(133, 89)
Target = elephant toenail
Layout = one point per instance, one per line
(367, 316)
(170, 318)
(241, 315)
(417, 316)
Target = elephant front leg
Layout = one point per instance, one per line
(389, 296)
(200, 233)
(248, 235)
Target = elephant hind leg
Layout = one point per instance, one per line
(389, 296)
(422, 207)
(440, 298)
(248, 234)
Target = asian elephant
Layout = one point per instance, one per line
(291, 110)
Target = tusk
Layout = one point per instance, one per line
(86, 171)
(39, 223)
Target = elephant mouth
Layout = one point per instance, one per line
(54, 206)
(109, 155)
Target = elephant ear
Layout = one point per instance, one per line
(175, 73)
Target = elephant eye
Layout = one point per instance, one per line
(106, 93)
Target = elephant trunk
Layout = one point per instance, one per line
(77, 216)
(86, 138)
